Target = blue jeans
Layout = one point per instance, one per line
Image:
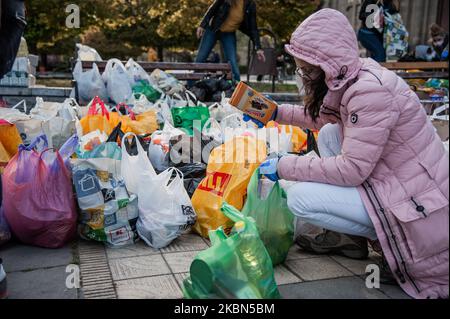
(373, 42)
(228, 41)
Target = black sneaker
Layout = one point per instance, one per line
(3, 285)
(329, 242)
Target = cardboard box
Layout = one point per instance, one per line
(253, 103)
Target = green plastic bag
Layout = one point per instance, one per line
(184, 117)
(274, 220)
(235, 267)
(144, 88)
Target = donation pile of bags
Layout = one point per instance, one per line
(144, 159)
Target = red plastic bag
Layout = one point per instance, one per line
(38, 201)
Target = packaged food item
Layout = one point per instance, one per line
(253, 103)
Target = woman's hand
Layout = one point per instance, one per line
(200, 32)
(261, 56)
(270, 167)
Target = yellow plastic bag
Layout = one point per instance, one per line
(142, 124)
(229, 170)
(105, 122)
(9, 142)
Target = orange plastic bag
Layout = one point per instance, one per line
(142, 124)
(229, 170)
(299, 137)
(94, 121)
(9, 142)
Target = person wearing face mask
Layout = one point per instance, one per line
(383, 172)
(439, 41)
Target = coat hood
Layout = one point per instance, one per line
(326, 39)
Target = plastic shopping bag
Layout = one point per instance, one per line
(165, 209)
(108, 212)
(9, 142)
(86, 53)
(230, 168)
(94, 121)
(184, 117)
(90, 83)
(136, 72)
(117, 81)
(145, 88)
(62, 118)
(274, 220)
(38, 198)
(237, 266)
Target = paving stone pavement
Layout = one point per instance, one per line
(141, 272)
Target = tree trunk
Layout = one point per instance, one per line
(161, 54)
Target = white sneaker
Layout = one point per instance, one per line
(3, 284)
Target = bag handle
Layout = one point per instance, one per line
(127, 108)
(24, 102)
(139, 146)
(69, 147)
(168, 182)
(35, 142)
(93, 108)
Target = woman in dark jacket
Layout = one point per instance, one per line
(369, 36)
(221, 22)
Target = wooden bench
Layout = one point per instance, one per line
(190, 71)
(428, 70)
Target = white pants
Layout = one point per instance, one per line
(331, 207)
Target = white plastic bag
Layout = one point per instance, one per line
(140, 105)
(221, 110)
(166, 82)
(90, 83)
(86, 53)
(165, 210)
(117, 82)
(28, 126)
(62, 120)
(163, 108)
(137, 171)
(136, 72)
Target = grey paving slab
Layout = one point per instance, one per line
(358, 267)
(297, 253)
(317, 268)
(138, 249)
(17, 257)
(340, 288)
(394, 292)
(186, 242)
(181, 277)
(40, 284)
(180, 262)
(135, 267)
(157, 287)
(283, 276)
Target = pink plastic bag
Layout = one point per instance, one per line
(38, 200)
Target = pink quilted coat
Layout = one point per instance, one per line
(390, 152)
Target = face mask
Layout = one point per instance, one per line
(438, 43)
(300, 85)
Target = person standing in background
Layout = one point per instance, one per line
(220, 23)
(369, 35)
(439, 41)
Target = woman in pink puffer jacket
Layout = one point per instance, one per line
(383, 174)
